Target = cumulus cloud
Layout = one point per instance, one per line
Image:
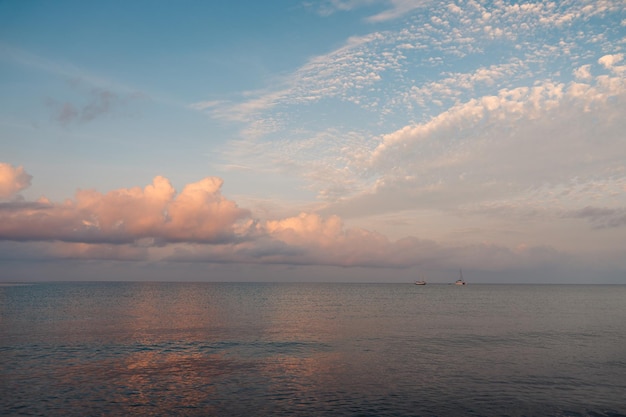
(199, 213)
(93, 224)
(327, 241)
(610, 61)
(12, 180)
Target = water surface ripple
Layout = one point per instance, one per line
(202, 349)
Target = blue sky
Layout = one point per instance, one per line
(333, 140)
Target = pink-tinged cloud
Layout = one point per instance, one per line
(12, 180)
(328, 242)
(297, 242)
(308, 239)
(197, 214)
(306, 228)
(198, 224)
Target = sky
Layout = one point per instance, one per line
(301, 140)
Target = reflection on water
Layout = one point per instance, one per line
(311, 349)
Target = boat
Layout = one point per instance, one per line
(420, 282)
(460, 281)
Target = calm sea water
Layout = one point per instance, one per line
(206, 349)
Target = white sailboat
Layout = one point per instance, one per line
(460, 281)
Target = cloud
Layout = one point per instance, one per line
(199, 213)
(499, 118)
(550, 145)
(601, 217)
(398, 8)
(99, 102)
(329, 7)
(12, 180)
(394, 8)
(375, 69)
(198, 224)
(583, 73)
(398, 74)
(610, 61)
(455, 85)
(100, 94)
(203, 105)
(311, 240)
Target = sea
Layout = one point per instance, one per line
(311, 349)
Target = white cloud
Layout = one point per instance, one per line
(394, 8)
(583, 72)
(398, 9)
(204, 105)
(610, 61)
(378, 71)
(329, 7)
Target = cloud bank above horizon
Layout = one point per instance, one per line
(199, 225)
